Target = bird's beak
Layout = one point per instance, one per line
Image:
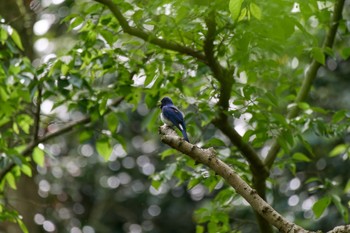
(159, 104)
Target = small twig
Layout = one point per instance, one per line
(37, 113)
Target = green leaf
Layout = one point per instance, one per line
(243, 14)
(17, 39)
(26, 170)
(25, 122)
(85, 135)
(3, 35)
(108, 36)
(339, 149)
(235, 8)
(303, 105)
(168, 152)
(104, 148)
(347, 187)
(212, 227)
(345, 53)
(255, 11)
(76, 22)
(11, 180)
(214, 142)
(22, 226)
(156, 184)
(301, 157)
(193, 182)
(15, 128)
(318, 54)
(199, 229)
(320, 206)
(339, 116)
(341, 208)
(112, 122)
(39, 156)
(64, 69)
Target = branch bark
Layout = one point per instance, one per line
(208, 157)
(309, 77)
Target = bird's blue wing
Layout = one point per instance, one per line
(173, 114)
(176, 117)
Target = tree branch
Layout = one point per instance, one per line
(256, 165)
(37, 113)
(225, 78)
(309, 77)
(208, 157)
(149, 37)
(226, 82)
(68, 128)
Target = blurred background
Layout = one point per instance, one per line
(77, 191)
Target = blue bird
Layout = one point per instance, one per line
(171, 115)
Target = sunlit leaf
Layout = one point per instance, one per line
(320, 205)
(76, 22)
(255, 10)
(199, 229)
(26, 170)
(301, 157)
(22, 226)
(17, 39)
(3, 35)
(235, 8)
(104, 148)
(303, 105)
(156, 184)
(11, 180)
(39, 156)
(212, 227)
(339, 149)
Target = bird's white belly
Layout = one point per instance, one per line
(165, 121)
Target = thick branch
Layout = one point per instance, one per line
(149, 37)
(209, 47)
(208, 157)
(68, 128)
(249, 153)
(340, 229)
(225, 78)
(309, 77)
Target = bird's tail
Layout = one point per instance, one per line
(185, 134)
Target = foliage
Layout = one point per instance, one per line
(107, 87)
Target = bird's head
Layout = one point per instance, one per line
(166, 101)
